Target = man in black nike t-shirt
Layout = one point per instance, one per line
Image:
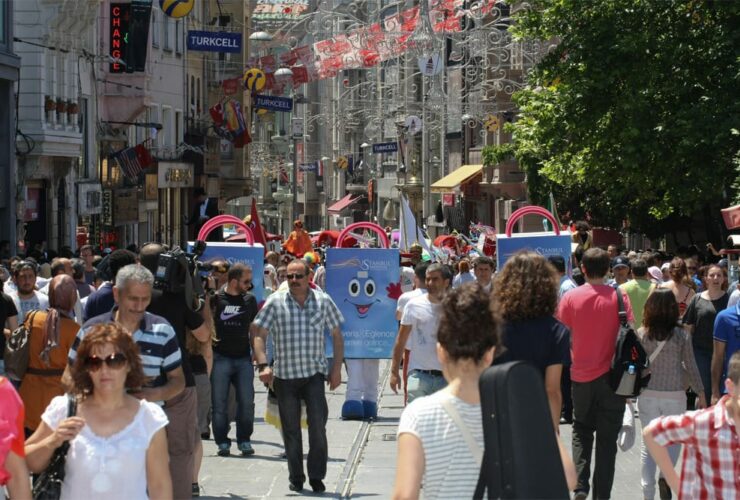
(232, 360)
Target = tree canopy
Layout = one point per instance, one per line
(633, 113)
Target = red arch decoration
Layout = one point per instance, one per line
(531, 209)
(220, 220)
(382, 237)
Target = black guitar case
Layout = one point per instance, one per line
(521, 458)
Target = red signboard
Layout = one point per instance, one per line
(33, 204)
(231, 86)
(448, 199)
(119, 20)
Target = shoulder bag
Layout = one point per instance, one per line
(48, 486)
(17, 349)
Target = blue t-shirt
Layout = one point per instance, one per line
(542, 341)
(727, 330)
(99, 302)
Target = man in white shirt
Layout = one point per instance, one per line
(420, 320)
(26, 298)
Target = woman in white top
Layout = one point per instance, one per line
(431, 446)
(118, 445)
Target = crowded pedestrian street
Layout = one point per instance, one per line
(392, 249)
(362, 457)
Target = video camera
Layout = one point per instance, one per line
(177, 272)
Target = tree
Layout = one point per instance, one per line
(632, 113)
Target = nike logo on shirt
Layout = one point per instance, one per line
(230, 312)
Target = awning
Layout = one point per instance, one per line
(454, 179)
(342, 204)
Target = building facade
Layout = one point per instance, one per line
(9, 72)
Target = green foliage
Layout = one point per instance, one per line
(631, 113)
(493, 155)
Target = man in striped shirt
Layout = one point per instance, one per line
(160, 353)
(711, 457)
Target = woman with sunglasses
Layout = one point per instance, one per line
(52, 334)
(118, 445)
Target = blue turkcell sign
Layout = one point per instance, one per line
(215, 41)
(385, 147)
(273, 103)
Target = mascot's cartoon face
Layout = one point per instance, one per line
(361, 290)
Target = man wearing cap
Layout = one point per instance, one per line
(204, 209)
(620, 271)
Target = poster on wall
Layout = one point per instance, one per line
(252, 256)
(365, 285)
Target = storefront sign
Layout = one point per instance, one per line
(89, 199)
(172, 174)
(448, 199)
(215, 41)
(385, 147)
(365, 285)
(273, 103)
(119, 23)
(126, 207)
(107, 208)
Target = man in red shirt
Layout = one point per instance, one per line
(711, 457)
(591, 312)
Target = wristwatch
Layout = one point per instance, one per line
(261, 366)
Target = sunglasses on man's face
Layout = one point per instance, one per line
(114, 361)
(295, 276)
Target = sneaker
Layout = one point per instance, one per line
(224, 450)
(195, 490)
(246, 448)
(580, 495)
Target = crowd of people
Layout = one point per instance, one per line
(154, 373)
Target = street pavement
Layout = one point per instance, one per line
(362, 456)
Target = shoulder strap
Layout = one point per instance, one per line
(475, 448)
(622, 312)
(657, 350)
(28, 321)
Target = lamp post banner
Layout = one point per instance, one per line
(215, 41)
(252, 256)
(365, 285)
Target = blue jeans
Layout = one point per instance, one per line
(238, 372)
(704, 364)
(423, 384)
(289, 394)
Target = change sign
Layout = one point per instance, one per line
(212, 41)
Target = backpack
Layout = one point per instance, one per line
(629, 373)
(17, 349)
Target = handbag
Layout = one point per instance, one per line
(48, 486)
(629, 373)
(17, 349)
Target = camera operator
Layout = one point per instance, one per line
(182, 431)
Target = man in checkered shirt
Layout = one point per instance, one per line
(711, 457)
(297, 319)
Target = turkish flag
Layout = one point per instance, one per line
(256, 226)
